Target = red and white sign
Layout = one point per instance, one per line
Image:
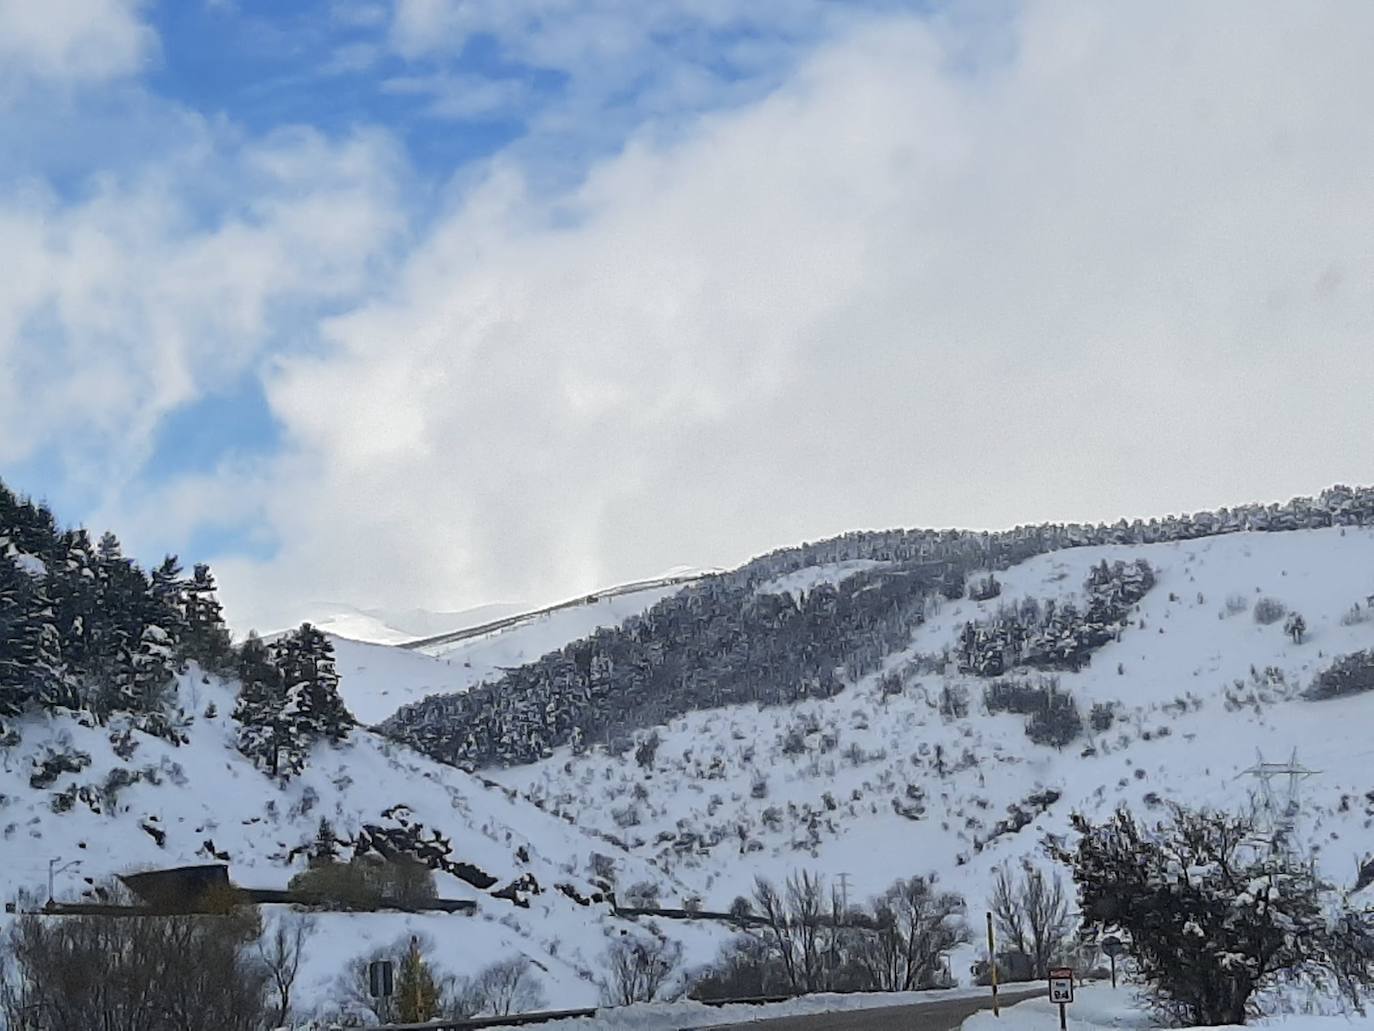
(1061, 985)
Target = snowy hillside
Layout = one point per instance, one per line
(118, 802)
(877, 782)
(377, 678)
(848, 707)
(387, 626)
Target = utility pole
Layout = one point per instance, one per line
(992, 967)
(844, 896)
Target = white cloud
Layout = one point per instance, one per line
(461, 97)
(1123, 267)
(127, 303)
(72, 42)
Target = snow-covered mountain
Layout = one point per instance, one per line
(907, 772)
(837, 707)
(378, 677)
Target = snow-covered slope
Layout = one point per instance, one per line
(203, 802)
(376, 679)
(398, 626)
(882, 786)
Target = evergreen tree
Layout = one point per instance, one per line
(313, 705)
(417, 996)
(260, 705)
(31, 669)
(205, 638)
(75, 595)
(325, 848)
(167, 598)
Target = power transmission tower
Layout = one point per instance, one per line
(844, 896)
(1279, 809)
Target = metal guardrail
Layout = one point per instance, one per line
(521, 1019)
(475, 1023)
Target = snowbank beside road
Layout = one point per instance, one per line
(672, 1016)
(1100, 1006)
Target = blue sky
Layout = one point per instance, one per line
(237, 70)
(442, 302)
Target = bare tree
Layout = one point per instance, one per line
(281, 950)
(1047, 918)
(154, 973)
(1008, 912)
(777, 931)
(810, 937)
(639, 969)
(507, 987)
(1032, 915)
(914, 927)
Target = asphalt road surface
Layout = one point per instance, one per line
(926, 1016)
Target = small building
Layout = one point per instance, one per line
(180, 889)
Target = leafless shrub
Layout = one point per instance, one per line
(280, 951)
(638, 970)
(1032, 916)
(1269, 610)
(154, 973)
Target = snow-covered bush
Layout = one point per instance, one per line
(1355, 615)
(641, 895)
(1057, 724)
(1348, 675)
(1101, 717)
(1269, 610)
(1215, 915)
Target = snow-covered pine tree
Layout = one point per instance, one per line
(75, 594)
(205, 638)
(313, 704)
(31, 669)
(167, 597)
(259, 709)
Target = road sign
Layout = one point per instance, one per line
(380, 979)
(1061, 985)
(1061, 992)
(1112, 946)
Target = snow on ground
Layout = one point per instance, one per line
(900, 789)
(204, 798)
(397, 626)
(502, 649)
(671, 1016)
(881, 787)
(811, 577)
(376, 679)
(1101, 1006)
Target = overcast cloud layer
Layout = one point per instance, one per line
(1059, 262)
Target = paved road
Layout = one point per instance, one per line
(927, 1016)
